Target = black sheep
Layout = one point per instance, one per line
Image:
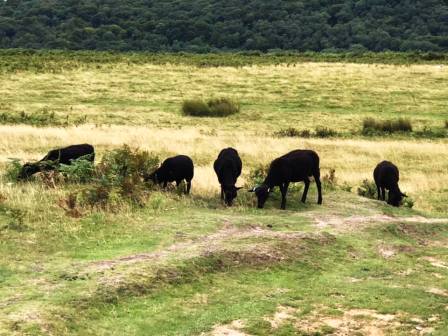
(296, 166)
(58, 156)
(386, 176)
(176, 168)
(228, 168)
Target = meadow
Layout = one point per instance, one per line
(187, 265)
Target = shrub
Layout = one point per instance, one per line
(119, 176)
(13, 169)
(121, 163)
(292, 132)
(80, 170)
(446, 123)
(367, 189)
(220, 107)
(324, 132)
(195, 108)
(223, 107)
(372, 126)
(257, 175)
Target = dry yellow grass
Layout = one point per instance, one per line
(423, 164)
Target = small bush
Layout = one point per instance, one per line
(195, 108)
(446, 123)
(13, 169)
(80, 170)
(371, 126)
(408, 202)
(324, 132)
(121, 163)
(367, 189)
(220, 107)
(118, 177)
(223, 107)
(291, 132)
(257, 175)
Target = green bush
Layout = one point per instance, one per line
(220, 107)
(13, 169)
(372, 126)
(257, 175)
(195, 108)
(367, 189)
(408, 202)
(223, 107)
(80, 170)
(119, 177)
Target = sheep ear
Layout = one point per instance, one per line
(269, 190)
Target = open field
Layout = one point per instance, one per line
(187, 265)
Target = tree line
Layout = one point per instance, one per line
(215, 25)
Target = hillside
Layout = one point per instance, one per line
(213, 25)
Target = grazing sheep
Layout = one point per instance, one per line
(386, 176)
(176, 168)
(296, 166)
(228, 168)
(58, 156)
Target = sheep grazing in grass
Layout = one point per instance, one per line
(228, 168)
(386, 176)
(296, 166)
(174, 169)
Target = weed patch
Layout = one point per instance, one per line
(367, 189)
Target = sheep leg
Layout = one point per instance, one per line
(188, 187)
(305, 191)
(383, 194)
(284, 190)
(319, 188)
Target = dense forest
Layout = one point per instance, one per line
(216, 25)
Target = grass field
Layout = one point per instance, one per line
(187, 265)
